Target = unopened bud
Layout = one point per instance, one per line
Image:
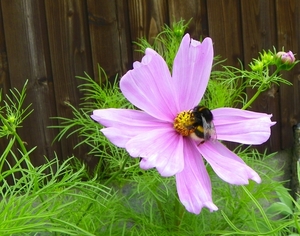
(286, 57)
(11, 119)
(257, 66)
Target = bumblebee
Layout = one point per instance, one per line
(202, 124)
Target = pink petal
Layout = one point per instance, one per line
(160, 148)
(149, 87)
(242, 126)
(126, 118)
(227, 165)
(191, 71)
(124, 124)
(193, 183)
(117, 137)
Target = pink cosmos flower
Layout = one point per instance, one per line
(151, 133)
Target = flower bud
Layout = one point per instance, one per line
(11, 119)
(178, 32)
(286, 57)
(256, 65)
(267, 58)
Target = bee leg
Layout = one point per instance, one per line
(201, 143)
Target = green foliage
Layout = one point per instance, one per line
(12, 112)
(49, 198)
(167, 42)
(102, 93)
(119, 198)
(224, 89)
(52, 198)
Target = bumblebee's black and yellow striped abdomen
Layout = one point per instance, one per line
(202, 123)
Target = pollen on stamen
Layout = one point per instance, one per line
(183, 123)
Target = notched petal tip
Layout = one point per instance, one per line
(194, 208)
(208, 41)
(150, 51)
(211, 206)
(255, 177)
(193, 62)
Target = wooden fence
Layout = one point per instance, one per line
(49, 42)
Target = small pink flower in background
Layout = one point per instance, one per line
(286, 57)
(166, 102)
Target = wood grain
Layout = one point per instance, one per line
(110, 42)
(288, 34)
(70, 57)
(195, 10)
(146, 19)
(4, 73)
(28, 58)
(259, 33)
(225, 28)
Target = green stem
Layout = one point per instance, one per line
(22, 146)
(258, 92)
(261, 88)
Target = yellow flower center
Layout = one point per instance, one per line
(183, 123)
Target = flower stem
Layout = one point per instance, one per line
(258, 92)
(262, 87)
(19, 140)
(12, 130)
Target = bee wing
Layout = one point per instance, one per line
(209, 131)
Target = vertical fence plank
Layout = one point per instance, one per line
(186, 10)
(224, 17)
(109, 37)
(124, 35)
(225, 29)
(147, 18)
(288, 20)
(70, 57)
(259, 32)
(4, 75)
(4, 78)
(28, 57)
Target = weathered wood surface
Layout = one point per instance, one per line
(49, 42)
(70, 56)
(28, 59)
(259, 33)
(288, 34)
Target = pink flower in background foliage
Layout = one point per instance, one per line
(172, 133)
